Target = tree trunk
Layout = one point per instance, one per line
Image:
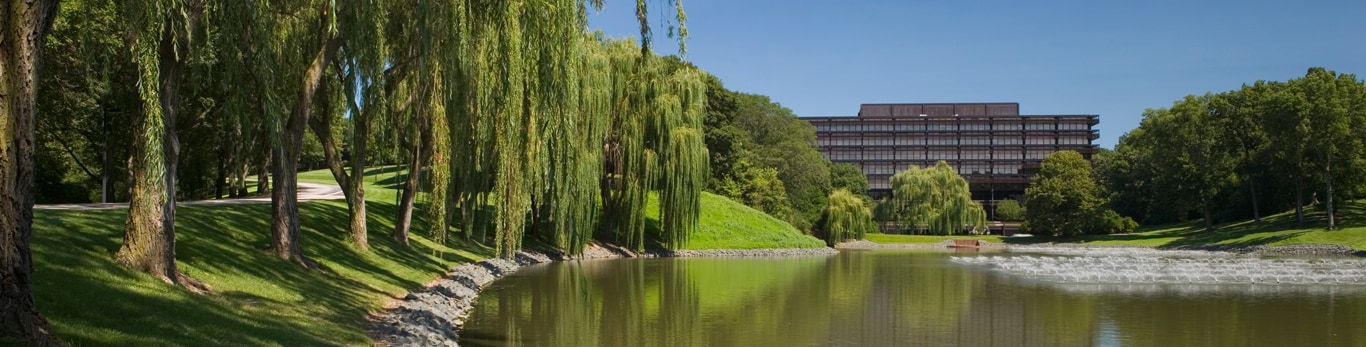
(263, 172)
(106, 161)
(149, 236)
(1328, 181)
(405, 207)
(284, 199)
(1209, 218)
(1256, 212)
(1299, 202)
(25, 25)
(352, 185)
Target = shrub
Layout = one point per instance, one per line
(1009, 210)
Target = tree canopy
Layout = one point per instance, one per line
(935, 201)
(1267, 146)
(846, 217)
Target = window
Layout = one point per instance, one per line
(877, 155)
(1039, 126)
(974, 169)
(910, 154)
(1072, 126)
(1073, 140)
(1007, 154)
(1005, 140)
(1040, 140)
(846, 155)
(943, 155)
(976, 154)
(1007, 126)
(976, 140)
(1007, 169)
(910, 140)
(943, 141)
(943, 126)
(974, 126)
(1037, 154)
(917, 126)
(877, 141)
(880, 169)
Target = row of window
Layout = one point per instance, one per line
(952, 126)
(854, 155)
(952, 141)
(881, 171)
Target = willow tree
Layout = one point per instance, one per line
(364, 84)
(655, 141)
(934, 201)
(684, 163)
(160, 32)
(529, 99)
(411, 94)
(322, 39)
(25, 26)
(846, 217)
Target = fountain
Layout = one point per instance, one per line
(1159, 267)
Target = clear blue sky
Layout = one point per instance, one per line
(1112, 58)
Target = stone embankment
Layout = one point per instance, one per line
(434, 315)
(1312, 250)
(1287, 250)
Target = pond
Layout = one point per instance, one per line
(899, 297)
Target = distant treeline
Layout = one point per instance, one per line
(1266, 147)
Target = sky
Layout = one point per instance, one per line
(1111, 58)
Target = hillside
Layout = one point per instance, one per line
(1274, 230)
(260, 300)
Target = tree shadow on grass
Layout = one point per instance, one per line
(91, 300)
(260, 299)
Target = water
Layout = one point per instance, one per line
(903, 298)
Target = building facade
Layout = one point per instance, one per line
(991, 145)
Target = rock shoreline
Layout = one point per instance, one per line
(433, 316)
(1257, 250)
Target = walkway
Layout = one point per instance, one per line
(307, 192)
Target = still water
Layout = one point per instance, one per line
(891, 298)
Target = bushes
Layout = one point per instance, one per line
(1110, 222)
(1010, 210)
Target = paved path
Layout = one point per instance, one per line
(307, 192)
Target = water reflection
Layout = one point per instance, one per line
(880, 298)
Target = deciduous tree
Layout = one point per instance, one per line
(23, 28)
(1061, 198)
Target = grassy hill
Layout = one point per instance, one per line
(260, 300)
(725, 224)
(1274, 230)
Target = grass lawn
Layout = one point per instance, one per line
(725, 224)
(260, 300)
(1274, 230)
(895, 238)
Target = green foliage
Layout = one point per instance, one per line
(1266, 146)
(1061, 199)
(846, 217)
(1009, 210)
(788, 144)
(757, 187)
(925, 239)
(848, 176)
(934, 201)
